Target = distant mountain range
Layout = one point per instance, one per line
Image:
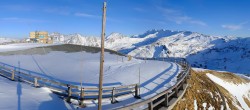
(223, 53)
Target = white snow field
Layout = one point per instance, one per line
(77, 67)
(20, 96)
(20, 46)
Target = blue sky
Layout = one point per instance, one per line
(129, 17)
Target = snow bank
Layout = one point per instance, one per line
(20, 96)
(195, 105)
(199, 69)
(20, 46)
(7, 40)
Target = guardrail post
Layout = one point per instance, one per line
(35, 82)
(13, 75)
(137, 94)
(185, 79)
(182, 87)
(129, 57)
(82, 98)
(113, 96)
(69, 93)
(176, 92)
(188, 74)
(166, 100)
(150, 106)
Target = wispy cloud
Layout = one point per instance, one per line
(233, 27)
(198, 22)
(178, 17)
(149, 21)
(58, 10)
(168, 10)
(86, 15)
(21, 20)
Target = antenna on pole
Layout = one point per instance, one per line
(102, 57)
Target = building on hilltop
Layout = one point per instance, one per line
(40, 37)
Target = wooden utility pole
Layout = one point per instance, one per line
(102, 57)
(139, 79)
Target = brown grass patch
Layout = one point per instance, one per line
(203, 90)
(247, 101)
(228, 77)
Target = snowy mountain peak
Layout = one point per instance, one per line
(115, 36)
(159, 32)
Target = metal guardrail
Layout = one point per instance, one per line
(67, 90)
(165, 96)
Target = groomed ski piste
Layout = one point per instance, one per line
(76, 67)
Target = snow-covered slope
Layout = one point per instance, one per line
(20, 46)
(7, 40)
(213, 52)
(74, 64)
(227, 55)
(21, 96)
(117, 41)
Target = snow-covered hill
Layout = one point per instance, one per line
(232, 55)
(7, 40)
(79, 65)
(213, 52)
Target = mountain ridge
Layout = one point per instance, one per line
(203, 51)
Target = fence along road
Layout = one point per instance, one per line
(166, 98)
(81, 93)
(63, 89)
